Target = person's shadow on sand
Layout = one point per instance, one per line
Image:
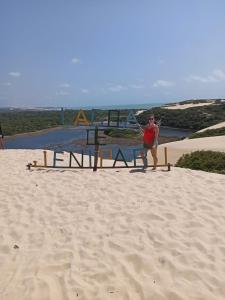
(141, 170)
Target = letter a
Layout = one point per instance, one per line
(117, 158)
(81, 118)
(131, 118)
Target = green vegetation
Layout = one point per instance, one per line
(208, 132)
(122, 133)
(192, 118)
(22, 121)
(28, 121)
(102, 115)
(208, 161)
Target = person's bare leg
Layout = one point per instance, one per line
(1, 144)
(145, 159)
(155, 158)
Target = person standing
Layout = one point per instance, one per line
(150, 141)
(1, 138)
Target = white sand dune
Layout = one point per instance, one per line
(219, 125)
(185, 106)
(178, 148)
(113, 234)
(140, 112)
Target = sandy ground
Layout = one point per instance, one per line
(185, 106)
(219, 125)
(113, 234)
(177, 149)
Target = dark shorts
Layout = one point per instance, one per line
(147, 146)
(150, 146)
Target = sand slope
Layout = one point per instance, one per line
(178, 148)
(189, 105)
(114, 234)
(219, 125)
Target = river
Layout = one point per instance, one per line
(65, 140)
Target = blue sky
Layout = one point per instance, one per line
(104, 52)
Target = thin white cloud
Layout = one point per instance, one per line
(219, 74)
(117, 88)
(161, 61)
(62, 93)
(200, 78)
(163, 83)
(137, 86)
(64, 85)
(85, 91)
(15, 74)
(215, 76)
(6, 83)
(76, 60)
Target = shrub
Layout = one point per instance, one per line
(209, 161)
(121, 133)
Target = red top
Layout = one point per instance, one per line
(149, 135)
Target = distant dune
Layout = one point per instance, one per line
(178, 148)
(219, 125)
(185, 106)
